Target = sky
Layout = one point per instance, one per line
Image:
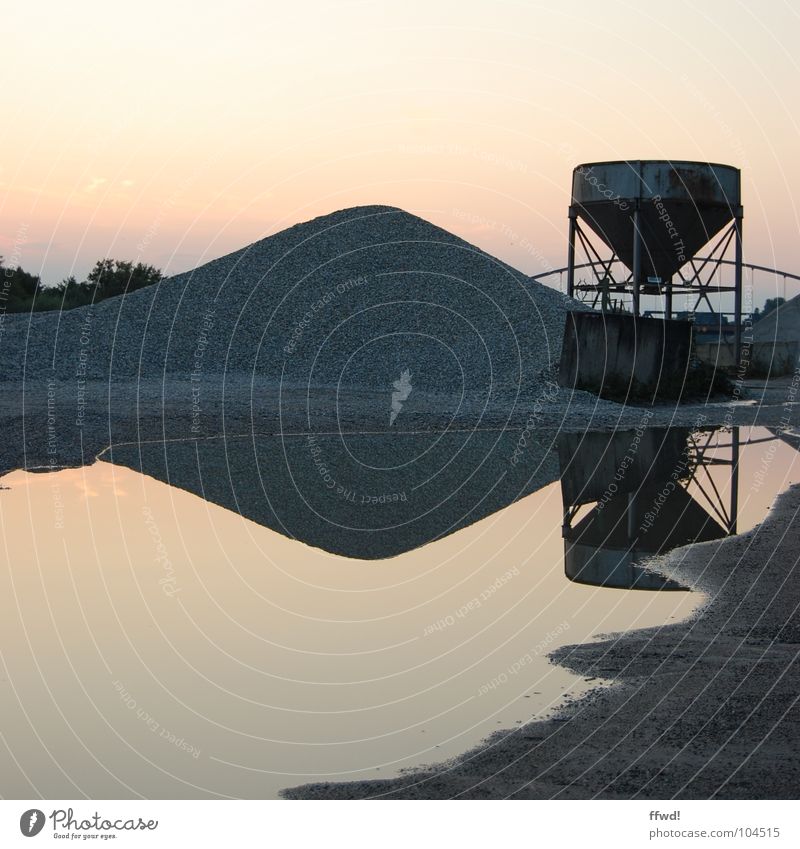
(172, 133)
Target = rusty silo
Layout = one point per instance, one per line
(652, 217)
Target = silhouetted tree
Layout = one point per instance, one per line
(772, 304)
(23, 292)
(19, 288)
(114, 277)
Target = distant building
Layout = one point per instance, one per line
(706, 322)
(776, 339)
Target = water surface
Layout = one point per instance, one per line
(159, 643)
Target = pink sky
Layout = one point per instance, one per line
(173, 134)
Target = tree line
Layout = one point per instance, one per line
(24, 292)
(21, 291)
(769, 305)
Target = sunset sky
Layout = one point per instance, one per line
(177, 132)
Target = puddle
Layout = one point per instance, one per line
(171, 645)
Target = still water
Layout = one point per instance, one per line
(212, 618)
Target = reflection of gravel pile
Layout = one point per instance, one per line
(360, 496)
(348, 299)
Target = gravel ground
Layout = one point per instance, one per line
(51, 424)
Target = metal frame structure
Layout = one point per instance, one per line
(700, 442)
(698, 276)
(786, 275)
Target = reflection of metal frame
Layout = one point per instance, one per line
(603, 547)
(717, 503)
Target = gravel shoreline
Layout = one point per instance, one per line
(45, 424)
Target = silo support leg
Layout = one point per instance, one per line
(668, 299)
(737, 295)
(637, 260)
(571, 255)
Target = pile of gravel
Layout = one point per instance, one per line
(349, 297)
(329, 313)
(781, 324)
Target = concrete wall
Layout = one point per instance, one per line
(774, 358)
(623, 355)
(776, 340)
(766, 358)
(717, 354)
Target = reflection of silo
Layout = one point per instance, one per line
(654, 216)
(605, 547)
(623, 474)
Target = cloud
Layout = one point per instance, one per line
(94, 183)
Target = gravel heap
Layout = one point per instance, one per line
(350, 298)
(328, 314)
(779, 325)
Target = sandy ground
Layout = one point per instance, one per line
(707, 708)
